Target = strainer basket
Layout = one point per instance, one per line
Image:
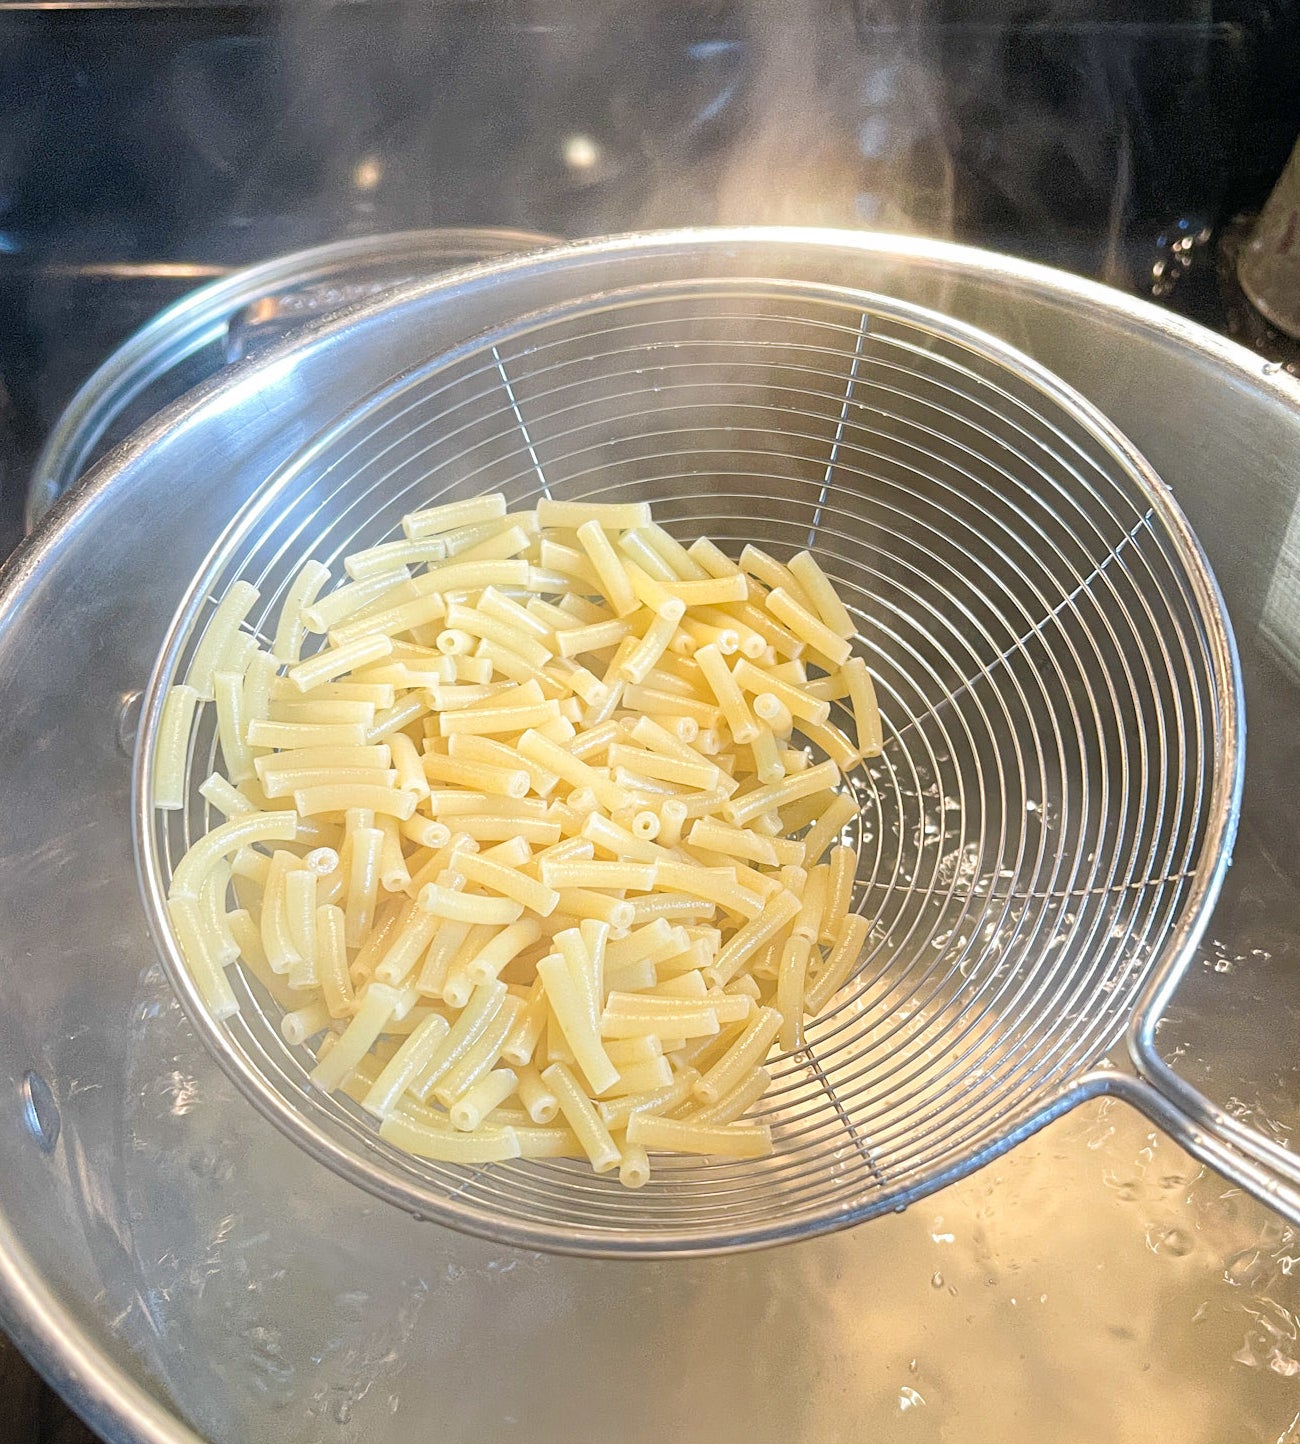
(1041, 838)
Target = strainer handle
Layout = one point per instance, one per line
(1256, 1164)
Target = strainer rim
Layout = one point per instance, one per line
(1162, 971)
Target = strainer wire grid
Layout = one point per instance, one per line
(937, 1057)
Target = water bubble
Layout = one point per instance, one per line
(40, 1111)
(1175, 1242)
(128, 721)
(1127, 1190)
(1245, 1268)
(908, 1398)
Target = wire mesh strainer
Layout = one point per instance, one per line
(1047, 826)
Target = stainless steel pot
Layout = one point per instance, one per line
(236, 316)
(165, 1256)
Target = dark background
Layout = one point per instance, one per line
(145, 148)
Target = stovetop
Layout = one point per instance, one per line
(147, 146)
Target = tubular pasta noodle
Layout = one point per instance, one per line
(443, 902)
(850, 939)
(615, 1112)
(866, 712)
(737, 1140)
(736, 1103)
(225, 621)
(377, 560)
(391, 621)
(570, 515)
(473, 1106)
(198, 946)
(610, 572)
(334, 662)
(581, 1116)
(478, 1059)
(839, 891)
(228, 800)
(338, 797)
(771, 573)
(671, 552)
(173, 744)
(791, 980)
(438, 520)
(478, 623)
(225, 839)
(821, 594)
(828, 826)
(426, 1139)
(322, 711)
(291, 629)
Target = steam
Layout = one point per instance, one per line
(844, 125)
(1023, 129)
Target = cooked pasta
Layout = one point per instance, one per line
(537, 828)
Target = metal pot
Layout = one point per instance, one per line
(171, 1263)
(226, 320)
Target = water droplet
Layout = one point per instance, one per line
(40, 1111)
(908, 1398)
(1175, 1242)
(936, 1281)
(1244, 1268)
(128, 721)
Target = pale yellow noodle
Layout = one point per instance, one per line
(834, 818)
(850, 939)
(426, 1140)
(791, 981)
(736, 1140)
(617, 516)
(198, 948)
(225, 621)
(866, 711)
(478, 1058)
(228, 800)
(821, 593)
(477, 1102)
(581, 1115)
(437, 520)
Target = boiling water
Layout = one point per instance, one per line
(1094, 1285)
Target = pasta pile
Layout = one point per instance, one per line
(529, 849)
